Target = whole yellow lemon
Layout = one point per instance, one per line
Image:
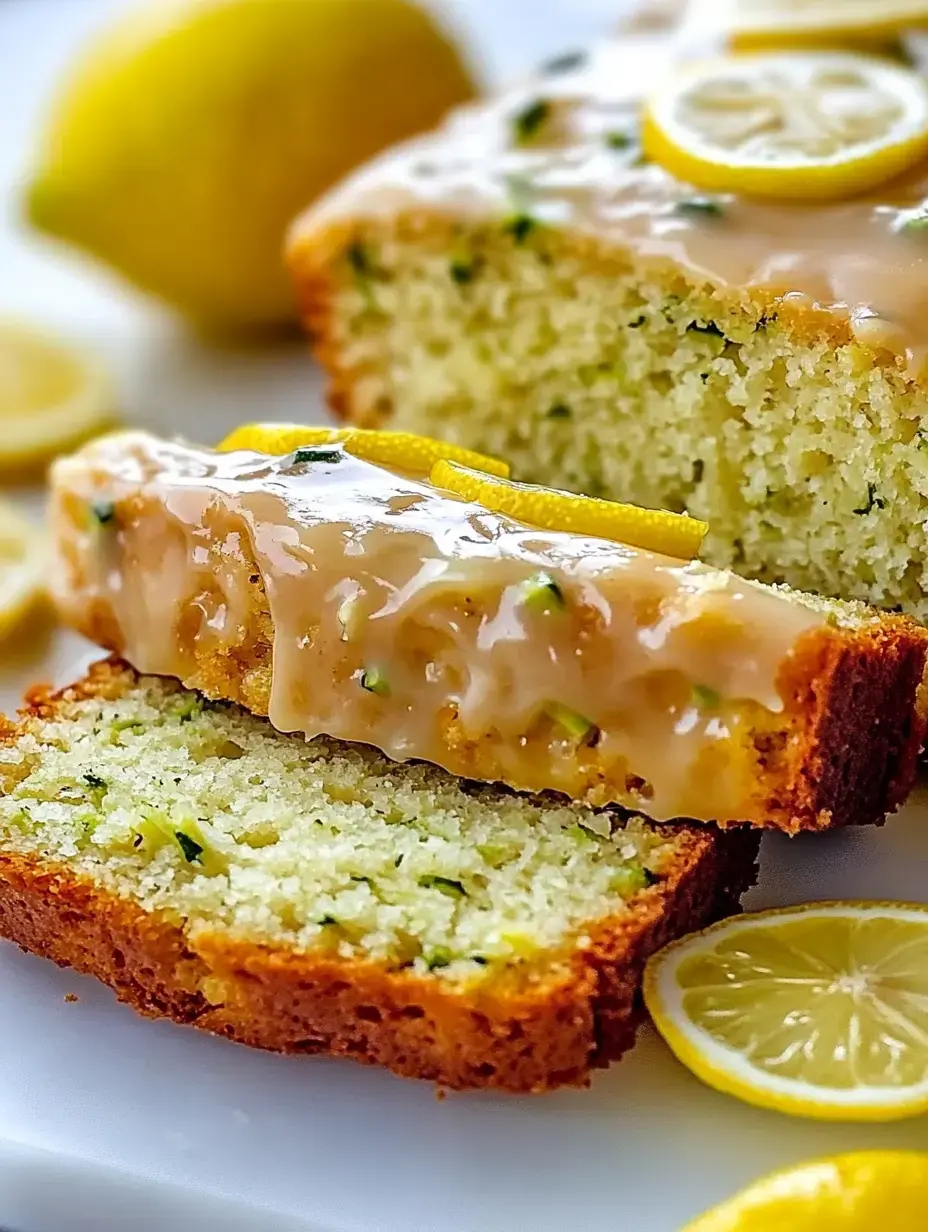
(193, 131)
(865, 1191)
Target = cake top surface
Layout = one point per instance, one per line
(563, 150)
(428, 625)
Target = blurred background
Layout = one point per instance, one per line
(166, 375)
(105, 167)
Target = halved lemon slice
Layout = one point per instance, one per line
(795, 125)
(655, 530)
(846, 1193)
(23, 568)
(820, 1011)
(51, 397)
(404, 450)
(804, 23)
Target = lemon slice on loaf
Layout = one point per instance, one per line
(793, 125)
(790, 23)
(819, 1011)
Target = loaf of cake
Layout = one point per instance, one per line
(344, 598)
(525, 282)
(317, 898)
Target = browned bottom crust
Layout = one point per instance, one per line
(527, 1036)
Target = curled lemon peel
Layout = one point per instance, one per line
(654, 530)
(401, 450)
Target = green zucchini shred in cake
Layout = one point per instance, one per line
(198, 808)
(760, 365)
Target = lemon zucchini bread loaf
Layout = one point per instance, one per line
(526, 282)
(316, 898)
(345, 598)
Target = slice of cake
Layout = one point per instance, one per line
(343, 598)
(316, 898)
(526, 283)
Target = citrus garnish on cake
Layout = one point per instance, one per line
(819, 1011)
(655, 530)
(789, 23)
(793, 125)
(846, 1193)
(527, 282)
(516, 643)
(404, 450)
(51, 396)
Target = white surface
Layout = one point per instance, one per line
(338, 1147)
(113, 1124)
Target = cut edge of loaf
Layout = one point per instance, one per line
(532, 1039)
(598, 370)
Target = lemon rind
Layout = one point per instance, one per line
(826, 1185)
(674, 535)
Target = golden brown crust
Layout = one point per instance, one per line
(864, 697)
(533, 1036)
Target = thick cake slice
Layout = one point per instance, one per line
(316, 898)
(342, 598)
(525, 283)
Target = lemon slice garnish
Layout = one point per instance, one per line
(23, 568)
(858, 1192)
(803, 23)
(51, 397)
(654, 530)
(799, 125)
(404, 450)
(820, 1011)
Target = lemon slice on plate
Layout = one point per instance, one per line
(820, 1011)
(655, 530)
(23, 567)
(792, 23)
(404, 450)
(847, 1193)
(795, 125)
(51, 397)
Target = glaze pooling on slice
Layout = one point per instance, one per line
(407, 618)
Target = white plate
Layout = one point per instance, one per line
(139, 1123)
(112, 1123)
